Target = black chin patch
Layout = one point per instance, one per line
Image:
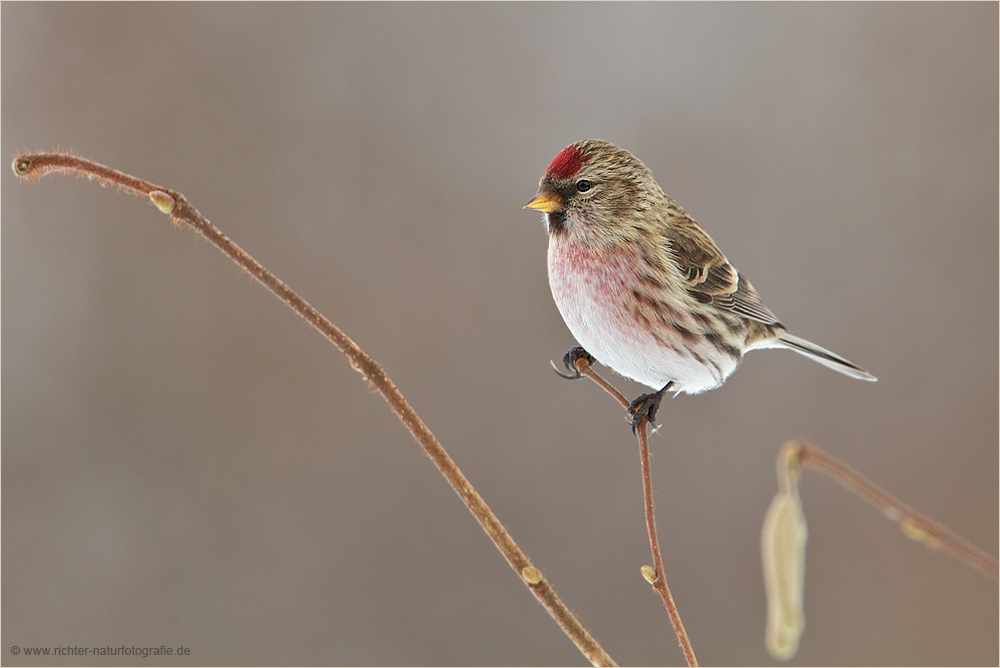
(557, 221)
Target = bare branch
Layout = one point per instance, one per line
(33, 166)
(915, 525)
(656, 575)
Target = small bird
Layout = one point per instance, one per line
(643, 288)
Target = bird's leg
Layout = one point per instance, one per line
(569, 361)
(646, 405)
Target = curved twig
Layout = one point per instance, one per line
(33, 166)
(917, 526)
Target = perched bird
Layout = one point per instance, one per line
(642, 287)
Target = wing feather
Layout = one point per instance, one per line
(712, 279)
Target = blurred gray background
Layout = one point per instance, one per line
(185, 462)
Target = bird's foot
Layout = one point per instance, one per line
(645, 406)
(569, 361)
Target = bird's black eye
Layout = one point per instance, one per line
(583, 185)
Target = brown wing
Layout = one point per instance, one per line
(710, 277)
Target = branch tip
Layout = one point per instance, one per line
(22, 167)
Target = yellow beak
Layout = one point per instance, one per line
(548, 202)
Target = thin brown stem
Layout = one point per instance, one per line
(33, 166)
(914, 524)
(659, 582)
(583, 366)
